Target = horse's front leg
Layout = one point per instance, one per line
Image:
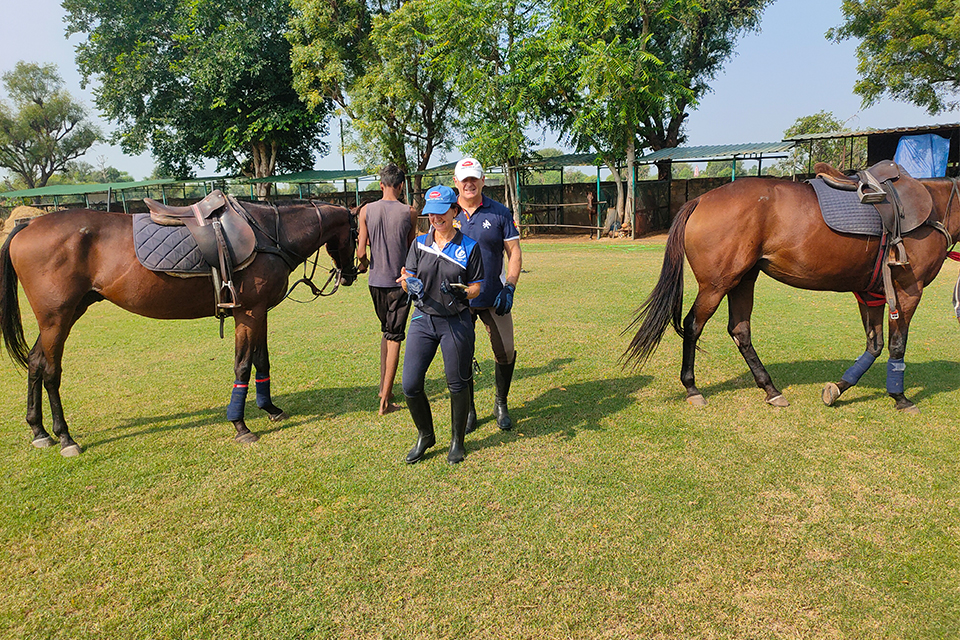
(740, 303)
(250, 325)
(897, 347)
(261, 360)
(872, 318)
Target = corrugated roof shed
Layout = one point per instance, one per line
(718, 152)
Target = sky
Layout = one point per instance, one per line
(786, 71)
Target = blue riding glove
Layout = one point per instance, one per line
(504, 301)
(456, 290)
(414, 287)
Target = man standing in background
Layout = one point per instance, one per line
(491, 225)
(388, 226)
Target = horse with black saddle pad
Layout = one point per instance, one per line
(69, 260)
(881, 201)
(733, 233)
(218, 227)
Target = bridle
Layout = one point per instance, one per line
(336, 273)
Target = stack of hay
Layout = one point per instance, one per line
(17, 214)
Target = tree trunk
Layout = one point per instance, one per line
(510, 190)
(264, 160)
(618, 179)
(631, 205)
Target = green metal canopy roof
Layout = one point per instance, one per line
(929, 128)
(82, 189)
(717, 152)
(312, 176)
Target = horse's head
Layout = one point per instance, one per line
(341, 228)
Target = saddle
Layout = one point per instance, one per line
(902, 202)
(222, 234)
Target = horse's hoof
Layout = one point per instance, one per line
(830, 394)
(277, 417)
(71, 451)
(43, 442)
(697, 401)
(778, 401)
(246, 438)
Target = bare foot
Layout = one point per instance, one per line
(390, 407)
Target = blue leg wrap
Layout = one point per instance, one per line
(237, 399)
(864, 362)
(263, 393)
(895, 369)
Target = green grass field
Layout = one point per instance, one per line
(613, 510)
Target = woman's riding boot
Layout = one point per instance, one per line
(422, 417)
(504, 374)
(459, 407)
(472, 413)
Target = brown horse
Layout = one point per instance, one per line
(732, 233)
(68, 260)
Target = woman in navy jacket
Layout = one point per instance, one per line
(442, 272)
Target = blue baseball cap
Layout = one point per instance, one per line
(439, 199)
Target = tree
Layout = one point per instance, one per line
(371, 60)
(623, 73)
(79, 172)
(909, 50)
(46, 129)
(196, 79)
(485, 54)
(804, 155)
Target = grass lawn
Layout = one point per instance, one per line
(612, 510)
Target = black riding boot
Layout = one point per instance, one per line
(504, 374)
(459, 407)
(422, 417)
(472, 412)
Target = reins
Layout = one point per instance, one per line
(336, 273)
(286, 254)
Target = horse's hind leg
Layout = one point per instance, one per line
(703, 308)
(740, 302)
(872, 318)
(52, 338)
(36, 363)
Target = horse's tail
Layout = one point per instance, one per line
(665, 304)
(10, 322)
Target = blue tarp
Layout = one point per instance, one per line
(923, 156)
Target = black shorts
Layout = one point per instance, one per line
(392, 308)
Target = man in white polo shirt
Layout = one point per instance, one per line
(491, 225)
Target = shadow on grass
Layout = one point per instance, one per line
(303, 407)
(567, 410)
(924, 380)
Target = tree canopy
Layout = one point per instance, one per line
(909, 50)
(45, 130)
(198, 79)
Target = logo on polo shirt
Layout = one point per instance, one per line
(486, 224)
(461, 255)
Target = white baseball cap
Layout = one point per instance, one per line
(468, 168)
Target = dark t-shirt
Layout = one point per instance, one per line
(388, 226)
(458, 261)
(490, 225)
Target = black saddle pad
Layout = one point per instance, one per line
(168, 249)
(843, 212)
